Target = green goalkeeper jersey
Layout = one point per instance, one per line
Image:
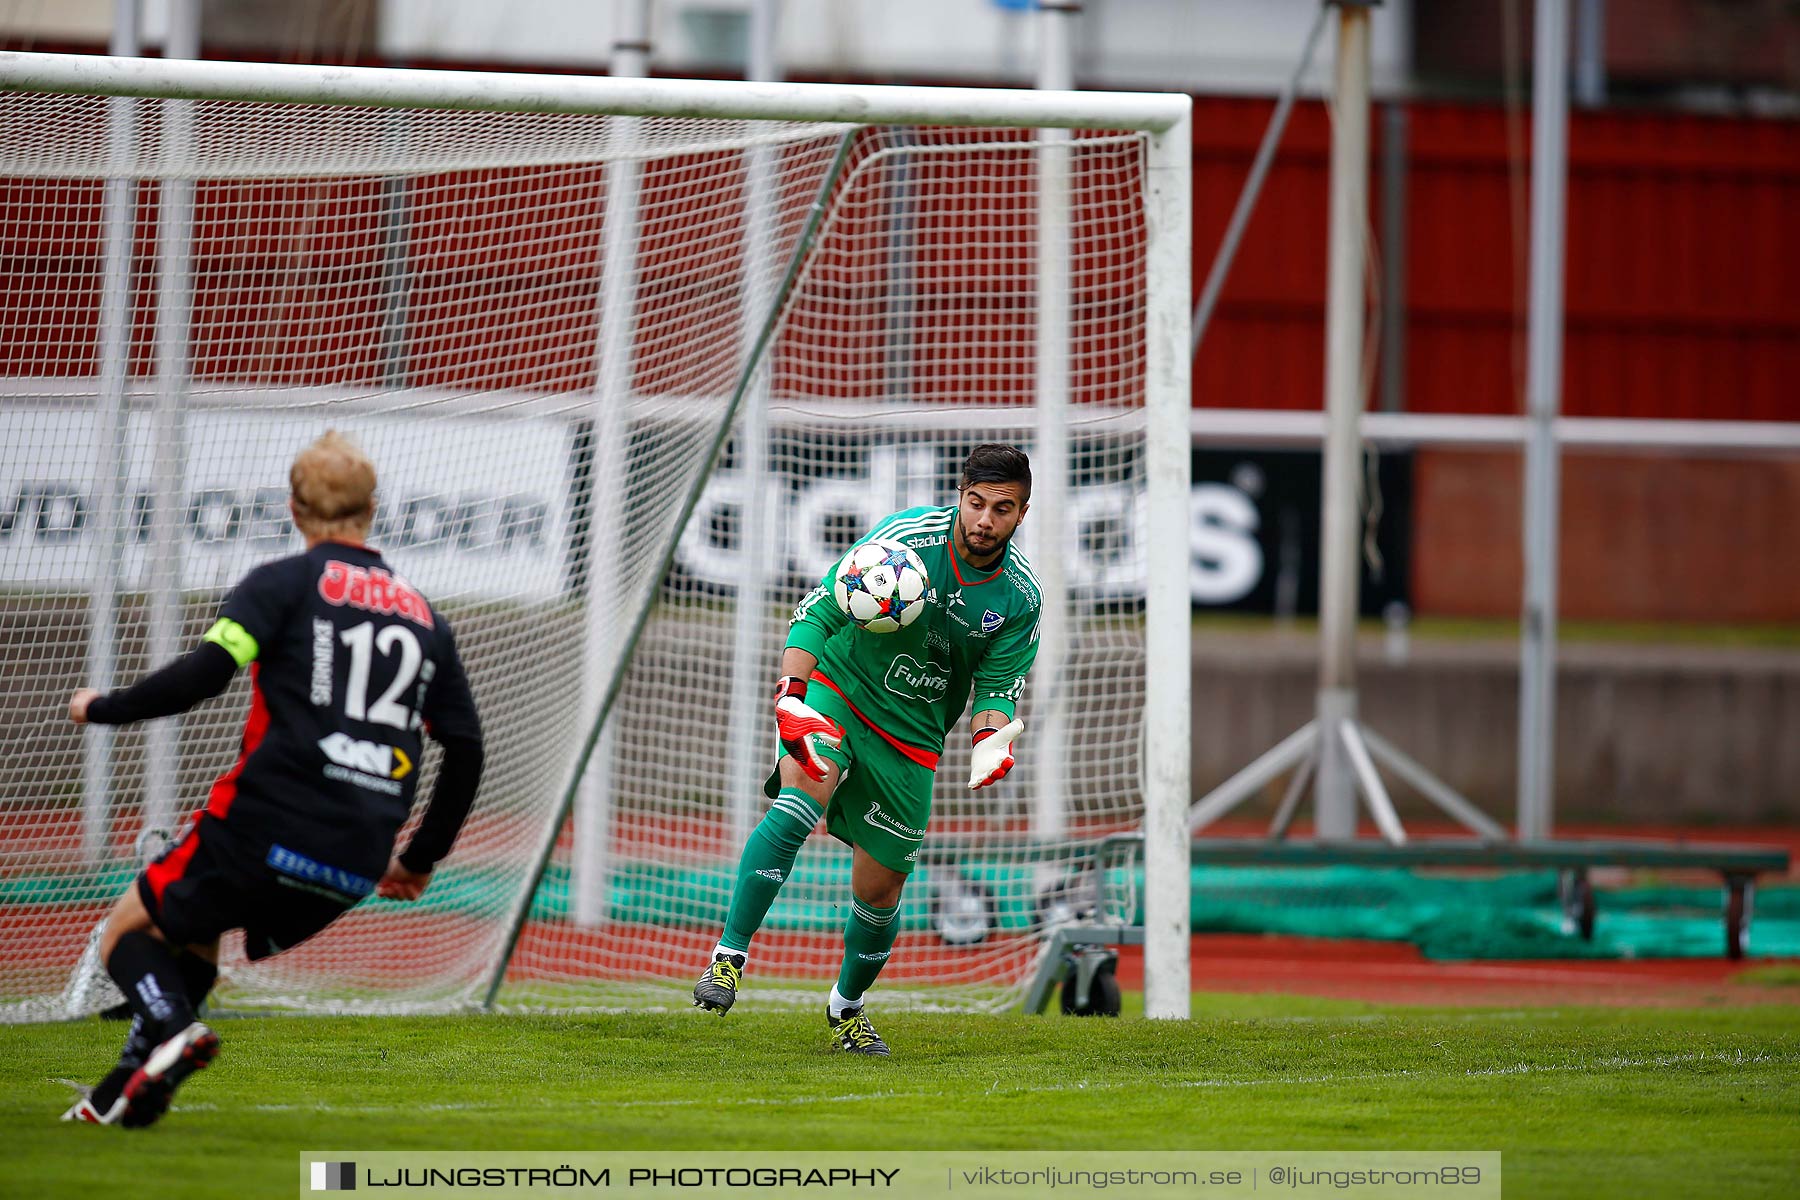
(976, 638)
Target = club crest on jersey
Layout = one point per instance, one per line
(372, 590)
(991, 621)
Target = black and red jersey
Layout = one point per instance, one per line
(351, 665)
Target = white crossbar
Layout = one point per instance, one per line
(494, 91)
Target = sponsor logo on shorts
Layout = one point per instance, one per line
(878, 956)
(369, 765)
(296, 865)
(882, 820)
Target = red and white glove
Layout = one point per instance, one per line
(993, 756)
(801, 726)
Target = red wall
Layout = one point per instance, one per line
(1683, 273)
(1659, 538)
(1683, 295)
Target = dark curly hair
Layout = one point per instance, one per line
(994, 462)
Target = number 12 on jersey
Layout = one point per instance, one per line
(365, 643)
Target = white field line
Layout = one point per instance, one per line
(1609, 1063)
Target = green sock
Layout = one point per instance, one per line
(768, 857)
(868, 937)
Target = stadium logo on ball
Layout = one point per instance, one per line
(882, 586)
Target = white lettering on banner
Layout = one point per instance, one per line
(466, 507)
(1225, 559)
(1106, 552)
(478, 507)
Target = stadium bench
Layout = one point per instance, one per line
(1572, 859)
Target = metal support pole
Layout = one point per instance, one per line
(1543, 383)
(174, 318)
(396, 225)
(1335, 747)
(1296, 788)
(1341, 537)
(752, 673)
(1448, 799)
(606, 597)
(1253, 184)
(1168, 610)
(1300, 745)
(113, 479)
(1590, 53)
(1393, 257)
(1050, 483)
(1374, 792)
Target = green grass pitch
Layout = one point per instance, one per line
(1582, 1102)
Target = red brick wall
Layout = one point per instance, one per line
(1644, 537)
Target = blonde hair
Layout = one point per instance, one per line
(333, 487)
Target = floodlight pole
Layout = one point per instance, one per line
(1334, 794)
(1333, 751)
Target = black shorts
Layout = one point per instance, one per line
(211, 881)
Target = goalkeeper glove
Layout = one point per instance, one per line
(801, 726)
(993, 756)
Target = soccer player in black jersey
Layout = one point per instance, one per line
(348, 664)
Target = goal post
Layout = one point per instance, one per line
(422, 259)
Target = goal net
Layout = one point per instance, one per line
(632, 380)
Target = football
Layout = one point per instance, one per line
(881, 586)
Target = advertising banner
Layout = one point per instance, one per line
(466, 506)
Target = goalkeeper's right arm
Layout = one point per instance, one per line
(799, 724)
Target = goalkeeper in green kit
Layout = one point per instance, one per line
(862, 719)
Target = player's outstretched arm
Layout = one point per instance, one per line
(258, 604)
(175, 688)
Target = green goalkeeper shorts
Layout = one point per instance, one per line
(883, 798)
